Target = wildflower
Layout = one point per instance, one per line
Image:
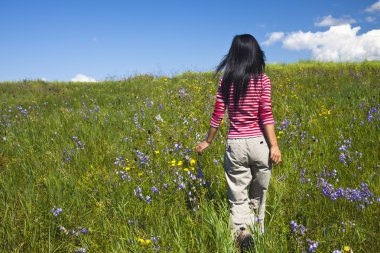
(159, 118)
(312, 245)
(154, 189)
(347, 249)
(192, 162)
(143, 242)
(177, 146)
(294, 226)
(302, 229)
(337, 251)
(342, 158)
(370, 117)
(56, 211)
(156, 152)
(148, 199)
(343, 148)
(149, 103)
(200, 173)
(63, 229)
(144, 159)
(181, 186)
(182, 92)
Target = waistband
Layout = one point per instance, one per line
(239, 140)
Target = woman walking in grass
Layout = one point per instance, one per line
(251, 149)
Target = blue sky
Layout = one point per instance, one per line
(59, 39)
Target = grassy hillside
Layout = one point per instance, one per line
(111, 167)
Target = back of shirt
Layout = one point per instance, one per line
(253, 112)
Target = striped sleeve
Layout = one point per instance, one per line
(266, 114)
(219, 108)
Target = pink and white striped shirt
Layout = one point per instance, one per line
(249, 118)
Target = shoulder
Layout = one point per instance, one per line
(265, 79)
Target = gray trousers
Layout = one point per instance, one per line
(248, 169)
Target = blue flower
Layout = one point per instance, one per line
(312, 245)
(56, 211)
(154, 189)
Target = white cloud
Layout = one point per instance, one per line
(274, 37)
(339, 43)
(331, 21)
(370, 19)
(374, 7)
(83, 78)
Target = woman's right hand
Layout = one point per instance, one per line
(201, 147)
(275, 155)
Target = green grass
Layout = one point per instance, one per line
(59, 143)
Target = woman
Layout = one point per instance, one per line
(251, 149)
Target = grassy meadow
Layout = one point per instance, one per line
(111, 167)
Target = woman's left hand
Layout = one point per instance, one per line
(201, 147)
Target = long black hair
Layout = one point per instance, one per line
(244, 60)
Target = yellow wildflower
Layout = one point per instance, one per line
(185, 169)
(156, 152)
(347, 249)
(179, 163)
(140, 174)
(192, 162)
(141, 241)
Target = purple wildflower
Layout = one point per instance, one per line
(56, 211)
(154, 189)
(294, 226)
(312, 245)
(342, 158)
